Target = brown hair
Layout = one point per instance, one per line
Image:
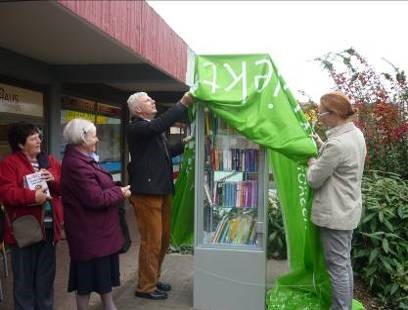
(19, 132)
(338, 103)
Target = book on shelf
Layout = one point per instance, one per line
(234, 159)
(241, 194)
(207, 195)
(207, 126)
(235, 229)
(231, 179)
(235, 189)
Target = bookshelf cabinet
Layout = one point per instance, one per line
(230, 229)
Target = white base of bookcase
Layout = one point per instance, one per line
(229, 279)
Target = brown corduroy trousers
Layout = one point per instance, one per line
(153, 221)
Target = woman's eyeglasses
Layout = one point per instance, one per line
(323, 113)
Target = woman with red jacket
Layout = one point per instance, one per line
(33, 264)
(91, 201)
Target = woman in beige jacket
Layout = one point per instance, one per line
(336, 178)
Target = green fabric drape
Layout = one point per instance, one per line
(182, 213)
(249, 94)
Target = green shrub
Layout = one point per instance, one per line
(276, 242)
(380, 244)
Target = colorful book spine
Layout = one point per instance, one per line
(237, 229)
(236, 159)
(242, 194)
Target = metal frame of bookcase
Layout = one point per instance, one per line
(227, 276)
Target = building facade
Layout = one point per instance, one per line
(65, 59)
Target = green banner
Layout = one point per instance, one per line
(307, 285)
(182, 213)
(249, 94)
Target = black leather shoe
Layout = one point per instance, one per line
(163, 286)
(156, 295)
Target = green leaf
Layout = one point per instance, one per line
(394, 288)
(272, 236)
(381, 216)
(370, 271)
(386, 264)
(401, 212)
(360, 253)
(385, 245)
(368, 218)
(388, 224)
(373, 225)
(373, 255)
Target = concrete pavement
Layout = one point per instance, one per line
(177, 269)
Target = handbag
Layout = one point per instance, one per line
(125, 230)
(27, 231)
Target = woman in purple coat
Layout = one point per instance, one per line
(90, 198)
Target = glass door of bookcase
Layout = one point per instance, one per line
(232, 169)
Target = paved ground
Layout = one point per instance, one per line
(177, 269)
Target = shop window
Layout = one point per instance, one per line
(107, 120)
(18, 104)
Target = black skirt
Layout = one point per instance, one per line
(97, 275)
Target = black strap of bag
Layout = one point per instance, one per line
(43, 161)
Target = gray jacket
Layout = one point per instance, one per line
(336, 177)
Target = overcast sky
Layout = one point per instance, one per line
(293, 33)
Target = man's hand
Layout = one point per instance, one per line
(187, 100)
(187, 139)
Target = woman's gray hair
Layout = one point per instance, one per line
(134, 100)
(76, 130)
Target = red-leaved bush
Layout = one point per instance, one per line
(382, 104)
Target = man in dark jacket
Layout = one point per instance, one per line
(152, 187)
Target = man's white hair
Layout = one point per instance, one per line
(76, 130)
(134, 100)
